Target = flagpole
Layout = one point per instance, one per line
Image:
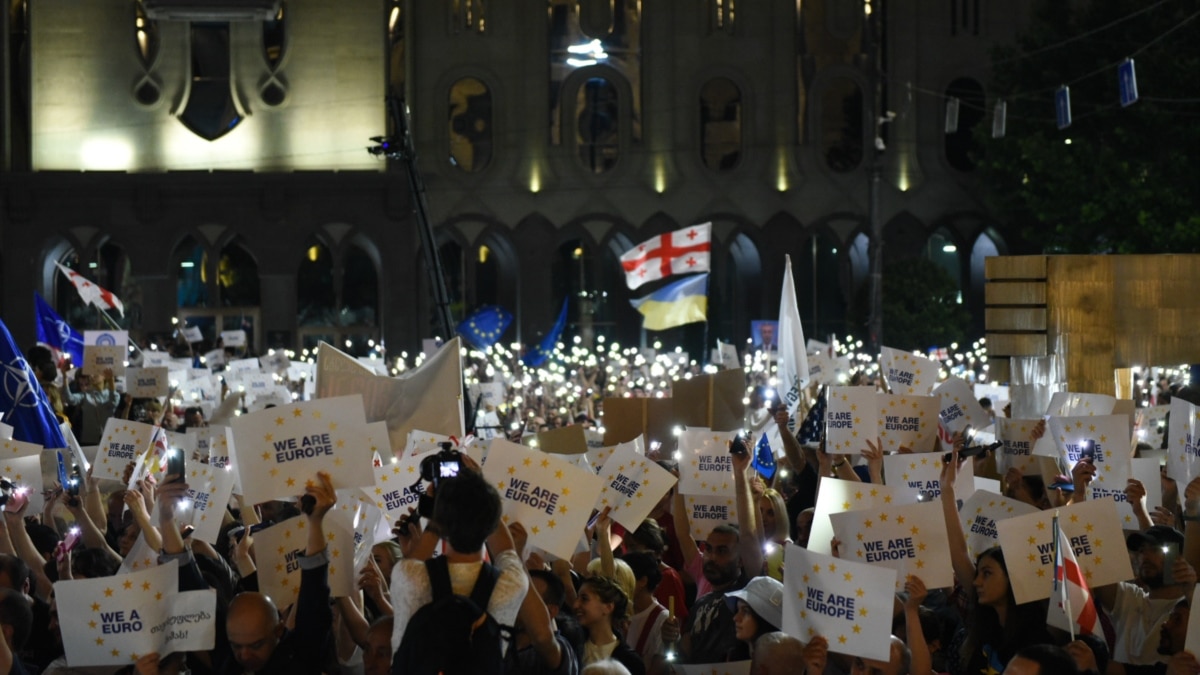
(1060, 564)
(116, 326)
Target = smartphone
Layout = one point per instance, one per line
(17, 501)
(176, 464)
(1170, 555)
(738, 446)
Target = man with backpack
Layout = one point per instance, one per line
(453, 613)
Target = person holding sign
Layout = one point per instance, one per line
(258, 641)
(95, 405)
(995, 625)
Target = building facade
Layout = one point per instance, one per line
(211, 167)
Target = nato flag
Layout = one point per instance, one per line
(56, 332)
(22, 400)
(484, 328)
(541, 353)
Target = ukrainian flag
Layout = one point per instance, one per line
(675, 304)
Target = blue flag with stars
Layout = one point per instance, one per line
(764, 457)
(484, 328)
(812, 430)
(541, 353)
(22, 401)
(54, 331)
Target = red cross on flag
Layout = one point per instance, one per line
(91, 293)
(680, 252)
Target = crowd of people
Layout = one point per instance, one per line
(462, 591)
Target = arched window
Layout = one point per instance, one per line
(107, 266)
(720, 124)
(942, 251)
(597, 124)
(572, 277)
(359, 305)
(735, 292)
(237, 277)
(454, 272)
(822, 305)
(210, 112)
(842, 124)
(470, 122)
(315, 295)
(191, 284)
(961, 147)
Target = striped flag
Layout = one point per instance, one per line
(1071, 598)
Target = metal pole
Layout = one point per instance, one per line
(444, 321)
(874, 29)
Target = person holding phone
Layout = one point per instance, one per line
(1140, 607)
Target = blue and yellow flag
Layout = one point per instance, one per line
(675, 304)
(484, 328)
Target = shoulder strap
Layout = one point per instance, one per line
(438, 570)
(647, 627)
(484, 584)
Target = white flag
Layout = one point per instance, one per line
(793, 357)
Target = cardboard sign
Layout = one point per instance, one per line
(633, 485)
(233, 338)
(550, 497)
(907, 421)
(277, 450)
(1183, 442)
(851, 417)
(835, 495)
(979, 516)
(568, 440)
(286, 542)
(959, 407)
(847, 602)
(109, 338)
(910, 539)
(98, 358)
(121, 442)
(116, 620)
(147, 382)
(712, 401)
(707, 511)
(908, 373)
(1105, 438)
(705, 468)
(1092, 527)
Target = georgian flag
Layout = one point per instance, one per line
(1071, 607)
(681, 252)
(91, 293)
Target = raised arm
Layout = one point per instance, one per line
(748, 544)
(964, 568)
(922, 660)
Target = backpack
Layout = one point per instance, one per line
(454, 634)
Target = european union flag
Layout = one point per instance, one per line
(541, 353)
(812, 430)
(764, 458)
(484, 328)
(24, 403)
(53, 330)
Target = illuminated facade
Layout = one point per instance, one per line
(214, 169)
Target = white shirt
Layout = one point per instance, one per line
(1137, 620)
(412, 590)
(654, 639)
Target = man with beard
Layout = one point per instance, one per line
(710, 636)
(1172, 637)
(1139, 610)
